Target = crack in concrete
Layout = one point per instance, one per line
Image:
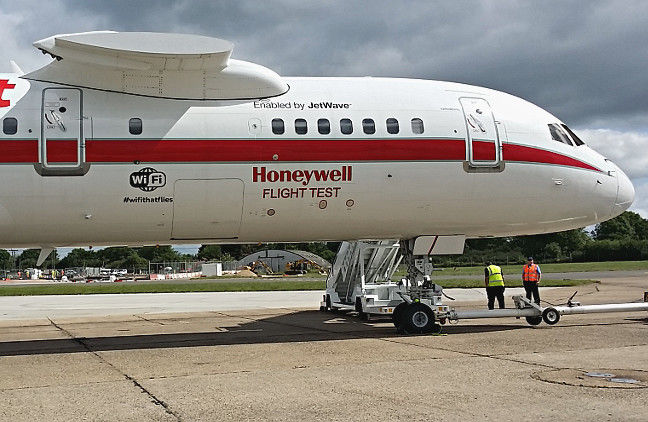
(36, 387)
(149, 320)
(359, 335)
(155, 400)
(536, 376)
(355, 334)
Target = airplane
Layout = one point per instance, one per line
(133, 139)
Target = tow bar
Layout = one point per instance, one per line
(535, 314)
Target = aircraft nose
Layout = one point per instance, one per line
(625, 193)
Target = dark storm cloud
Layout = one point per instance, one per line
(582, 60)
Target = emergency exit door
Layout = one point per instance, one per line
(62, 135)
(482, 134)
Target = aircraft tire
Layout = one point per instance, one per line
(550, 316)
(397, 317)
(418, 319)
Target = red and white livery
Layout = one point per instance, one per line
(146, 138)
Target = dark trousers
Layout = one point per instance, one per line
(531, 288)
(495, 292)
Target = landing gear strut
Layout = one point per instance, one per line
(416, 315)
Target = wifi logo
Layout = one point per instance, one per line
(147, 179)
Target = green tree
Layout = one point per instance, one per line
(111, 257)
(628, 225)
(79, 257)
(568, 242)
(209, 252)
(159, 254)
(552, 251)
(6, 262)
(132, 262)
(29, 257)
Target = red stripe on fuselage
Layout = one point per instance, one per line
(483, 151)
(62, 151)
(526, 154)
(297, 150)
(24, 151)
(236, 150)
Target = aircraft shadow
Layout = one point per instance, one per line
(304, 326)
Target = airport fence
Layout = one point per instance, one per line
(176, 267)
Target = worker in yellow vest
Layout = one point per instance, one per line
(531, 276)
(494, 281)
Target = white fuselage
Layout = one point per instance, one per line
(485, 164)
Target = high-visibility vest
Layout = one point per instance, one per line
(530, 273)
(495, 276)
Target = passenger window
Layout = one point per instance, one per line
(578, 141)
(323, 126)
(301, 127)
(346, 127)
(392, 126)
(417, 126)
(9, 125)
(278, 126)
(368, 126)
(557, 134)
(135, 126)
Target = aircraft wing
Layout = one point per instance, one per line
(177, 66)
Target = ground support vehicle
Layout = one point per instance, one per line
(415, 303)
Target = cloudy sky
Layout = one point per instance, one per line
(585, 61)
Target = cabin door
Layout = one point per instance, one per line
(484, 144)
(62, 140)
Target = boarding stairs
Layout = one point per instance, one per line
(360, 263)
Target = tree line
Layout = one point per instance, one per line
(139, 258)
(620, 239)
(623, 238)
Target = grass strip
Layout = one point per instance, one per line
(221, 286)
(563, 267)
(119, 288)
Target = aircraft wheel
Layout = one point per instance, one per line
(397, 317)
(418, 319)
(551, 316)
(534, 320)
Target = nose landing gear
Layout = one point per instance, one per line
(422, 298)
(418, 318)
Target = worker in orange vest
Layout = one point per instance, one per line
(531, 275)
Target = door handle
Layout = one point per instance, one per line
(58, 120)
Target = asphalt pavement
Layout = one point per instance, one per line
(294, 364)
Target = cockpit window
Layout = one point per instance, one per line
(578, 141)
(558, 134)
